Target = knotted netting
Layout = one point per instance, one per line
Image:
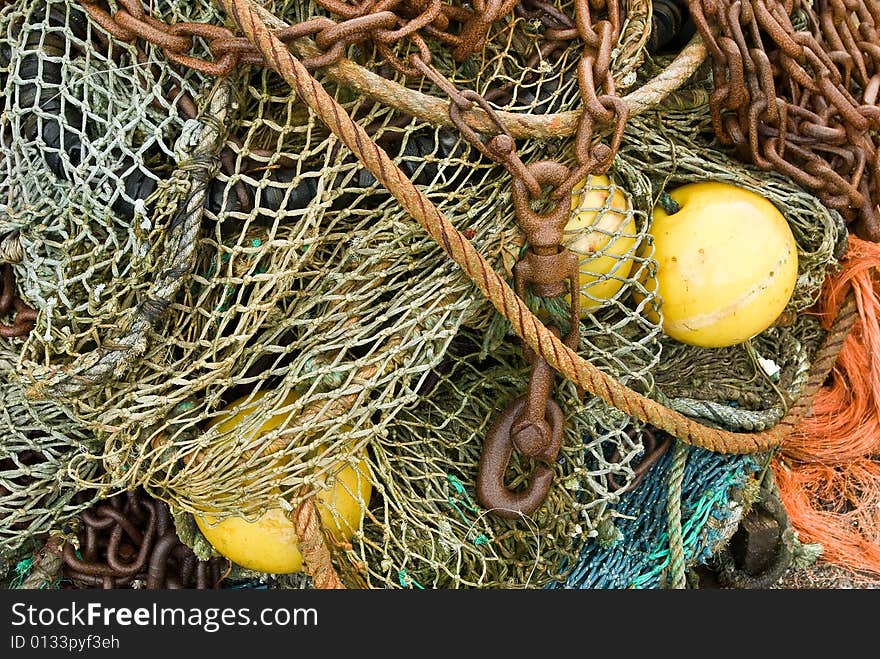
(199, 247)
(41, 450)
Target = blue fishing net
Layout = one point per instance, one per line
(635, 553)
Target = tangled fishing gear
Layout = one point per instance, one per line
(827, 472)
(131, 538)
(44, 455)
(195, 243)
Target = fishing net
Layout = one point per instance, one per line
(633, 550)
(41, 460)
(200, 248)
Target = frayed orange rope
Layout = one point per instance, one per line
(828, 470)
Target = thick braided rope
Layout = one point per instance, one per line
(673, 514)
(313, 547)
(824, 361)
(494, 288)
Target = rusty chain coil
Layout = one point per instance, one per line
(130, 539)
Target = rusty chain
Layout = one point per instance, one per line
(382, 22)
(801, 99)
(130, 537)
(655, 443)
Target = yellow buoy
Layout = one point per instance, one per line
(726, 264)
(269, 543)
(602, 232)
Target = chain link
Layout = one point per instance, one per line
(383, 22)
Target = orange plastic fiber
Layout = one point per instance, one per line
(828, 470)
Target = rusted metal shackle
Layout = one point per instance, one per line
(530, 432)
(532, 424)
(492, 493)
(543, 231)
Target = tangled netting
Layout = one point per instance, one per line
(200, 248)
(37, 492)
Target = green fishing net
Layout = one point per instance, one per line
(201, 248)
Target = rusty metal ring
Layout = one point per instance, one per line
(442, 36)
(25, 319)
(473, 32)
(587, 86)
(221, 67)
(135, 8)
(103, 18)
(408, 70)
(151, 33)
(304, 29)
(205, 31)
(344, 9)
(604, 156)
(237, 46)
(336, 53)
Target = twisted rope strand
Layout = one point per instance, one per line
(317, 562)
(673, 515)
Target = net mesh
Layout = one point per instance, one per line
(309, 297)
(633, 549)
(41, 451)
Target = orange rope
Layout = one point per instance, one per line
(317, 561)
(827, 471)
